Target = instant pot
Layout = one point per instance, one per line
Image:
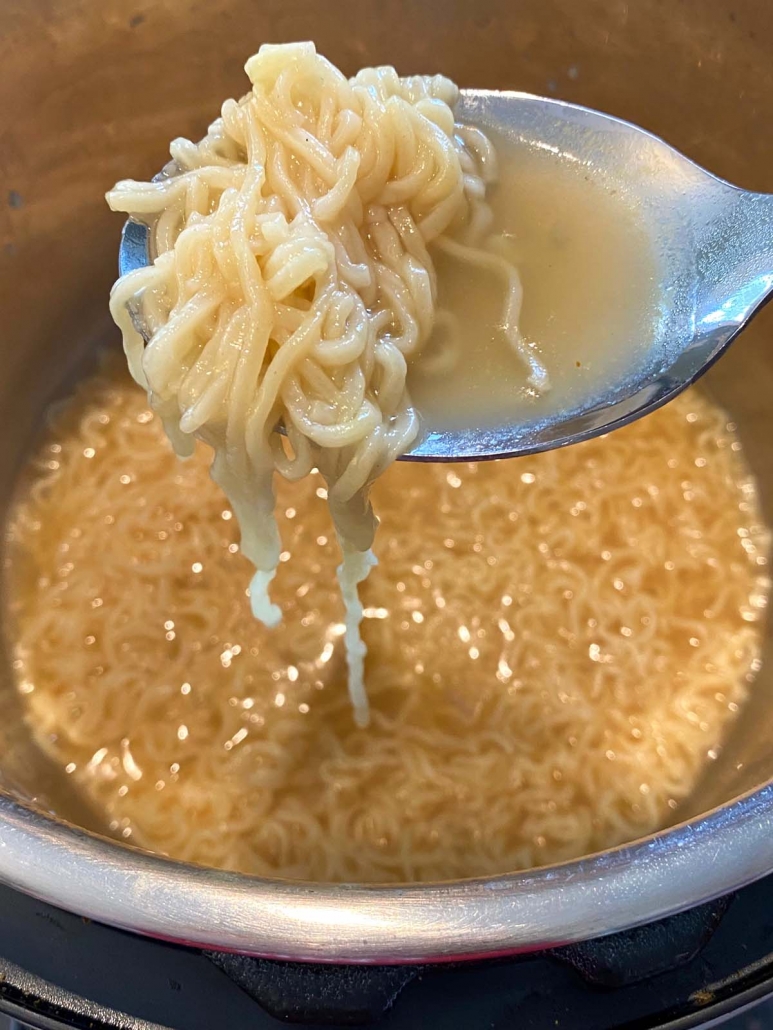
(672, 930)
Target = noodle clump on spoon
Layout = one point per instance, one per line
(293, 281)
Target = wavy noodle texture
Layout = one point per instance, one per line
(293, 282)
(556, 648)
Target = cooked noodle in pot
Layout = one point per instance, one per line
(556, 647)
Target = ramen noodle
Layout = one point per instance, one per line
(293, 282)
(556, 647)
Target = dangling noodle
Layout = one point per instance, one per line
(293, 282)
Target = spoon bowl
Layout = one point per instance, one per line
(714, 248)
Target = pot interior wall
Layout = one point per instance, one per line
(92, 92)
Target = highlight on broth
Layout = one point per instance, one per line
(557, 647)
(293, 282)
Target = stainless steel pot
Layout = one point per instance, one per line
(90, 92)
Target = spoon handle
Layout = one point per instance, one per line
(734, 256)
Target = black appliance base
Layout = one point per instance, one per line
(58, 970)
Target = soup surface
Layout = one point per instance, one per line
(590, 298)
(556, 647)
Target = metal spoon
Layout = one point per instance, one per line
(713, 243)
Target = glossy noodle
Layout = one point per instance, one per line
(293, 283)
